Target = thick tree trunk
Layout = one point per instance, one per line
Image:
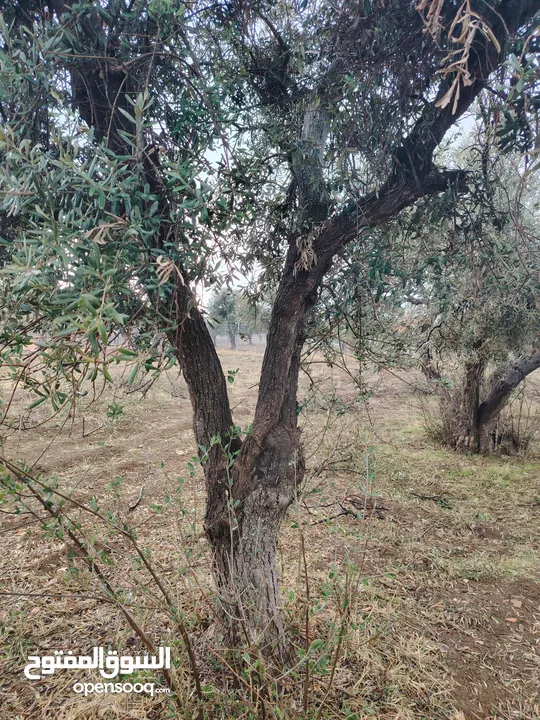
(245, 548)
(459, 409)
(265, 476)
(468, 429)
(473, 419)
(504, 383)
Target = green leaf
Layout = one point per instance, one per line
(127, 353)
(126, 114)
(36, 403)
(103, 333)
(93, 340)
(133, 374)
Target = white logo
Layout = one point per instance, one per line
(109, 663)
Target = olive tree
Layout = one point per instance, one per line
(465, 276)
(222, 311)
(147, 145)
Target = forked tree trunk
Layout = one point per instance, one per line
(475, 419)
(248, 499)
(244, 530)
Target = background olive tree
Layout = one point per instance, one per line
(476, 306)
(236, 314)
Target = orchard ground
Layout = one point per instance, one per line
(422, 588)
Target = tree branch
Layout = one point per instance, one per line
(503, 385)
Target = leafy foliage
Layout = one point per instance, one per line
(146, 146)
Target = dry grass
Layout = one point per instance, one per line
(442, 591)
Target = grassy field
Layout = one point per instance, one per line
(427, 605)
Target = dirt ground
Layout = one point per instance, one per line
(439, 566)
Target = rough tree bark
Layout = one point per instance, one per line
(468, 428)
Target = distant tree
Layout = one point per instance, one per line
(237, 314)
(253, 316)
(476, 303)
(223, 311)
(488, 321)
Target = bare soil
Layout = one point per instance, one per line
(441, 552)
